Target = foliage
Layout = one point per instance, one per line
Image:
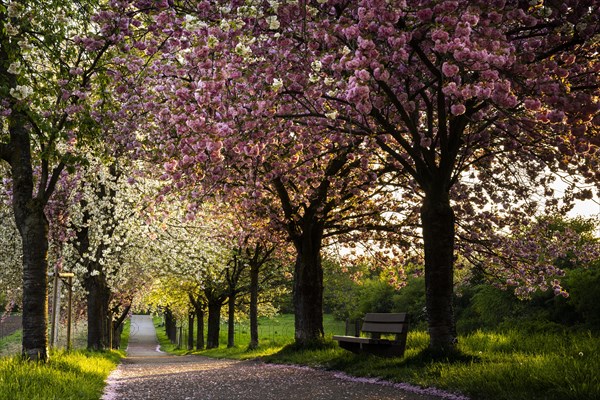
(584, 297)
(359, 290)
(490, 308)
(74, 375)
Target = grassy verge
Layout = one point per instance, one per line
(77, 375)
(511, 365)
(497, 366)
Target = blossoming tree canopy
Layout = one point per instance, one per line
(476, 102)
(216, 122)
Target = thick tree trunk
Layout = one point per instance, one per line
(35, 283)
(231, 320)
(254, 270)
(33, 228)
(308, 287)
(214, 323)
(199, 328)
(190, 331)
(98, 319)
(437, 218)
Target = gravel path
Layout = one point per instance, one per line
(147, 373)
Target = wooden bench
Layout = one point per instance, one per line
(377, 324)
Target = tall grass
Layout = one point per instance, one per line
(77, 375)
(496, 366)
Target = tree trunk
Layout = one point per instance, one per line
(117, 331)
(308, 287)
(98, 298)
(170, 326)
(118, 326)
(254, 270)
(190, 331)
(35, 283)
(231, 320)
(437, 218)
(214, 321)
(199, 328)
(33, 228)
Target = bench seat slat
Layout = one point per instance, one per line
(386, 317)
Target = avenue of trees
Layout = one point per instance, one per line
(202, 147)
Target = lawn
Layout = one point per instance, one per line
(497, 366)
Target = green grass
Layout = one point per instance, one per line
(509, 365)
(125, 335)
(274, 334)
(11, 344)
(76, 375)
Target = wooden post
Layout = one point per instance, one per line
(69, 311)
(54, 303)
(110, 331)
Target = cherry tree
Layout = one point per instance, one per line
(193, 254)
(46, 74)
(213, 96)
(105, 239)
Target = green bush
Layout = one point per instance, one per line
(375, 295)
(584, 288)
(346, 298)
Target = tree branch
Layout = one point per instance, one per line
(53, 181)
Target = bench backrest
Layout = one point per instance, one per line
(378, 323)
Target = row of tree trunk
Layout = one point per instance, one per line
(215, 304)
